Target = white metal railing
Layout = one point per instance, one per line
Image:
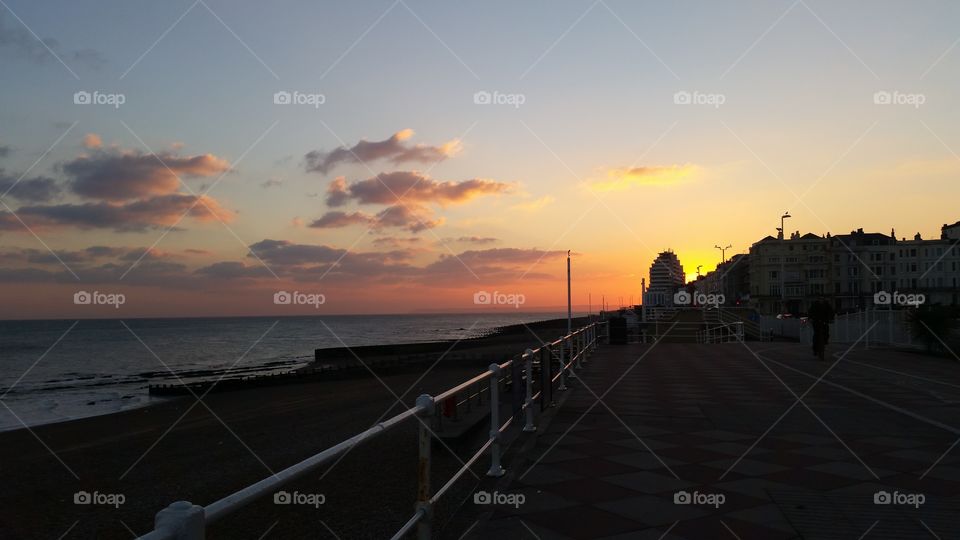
(722, 333)
(868, 327)
(184, 520)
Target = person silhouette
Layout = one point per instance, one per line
(821, 315)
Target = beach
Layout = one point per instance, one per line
(184, 450)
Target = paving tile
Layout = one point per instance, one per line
(653, 510)
(648, 482)
(851, 470)
(644, 460)
(590, 490)
(543, 474)
(594, 467)
(584, 522)
(747, 466)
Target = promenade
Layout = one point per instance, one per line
(760, 440)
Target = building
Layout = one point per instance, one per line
(930, 267)
(731, 279)
(863, 265)
(788, 275)
(950, 232)
(666, 278)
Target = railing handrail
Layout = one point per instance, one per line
(218, 509)
(171, 529)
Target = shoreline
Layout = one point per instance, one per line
(182, 450)
(491, 343)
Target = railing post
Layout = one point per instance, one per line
(575, 351)
(425, 525)
(567, 346)
(495, 468)
(529, 426)
(583, 345)
(546, 377)
(563, 368)
(184, 519)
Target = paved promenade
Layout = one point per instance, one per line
(760, 440)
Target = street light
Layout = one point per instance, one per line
(723, 251)
(783, 256)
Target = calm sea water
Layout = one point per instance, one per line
(59, 370)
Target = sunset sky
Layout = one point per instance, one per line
(405, 190)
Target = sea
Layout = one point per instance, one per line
(58, 370)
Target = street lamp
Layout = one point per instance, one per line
(699, 266)
(723, 251)
(783, 256)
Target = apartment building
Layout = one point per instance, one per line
(787, 275)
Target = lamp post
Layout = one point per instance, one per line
(783, 254)
(723, 252)
(569, 306)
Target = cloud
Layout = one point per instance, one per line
(284, 252)
(623, 178)
(116, 175)
(272, 182)
(534, 205)
(234, 270)
(336, 219)
(92, 141)
(387, 188)
(411, 217)
(479, 240)
(36, 189)
(14, 37)
(139, 215)
(493, 264)
(392, 241)
(394, 149)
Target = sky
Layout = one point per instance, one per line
(408, 156)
